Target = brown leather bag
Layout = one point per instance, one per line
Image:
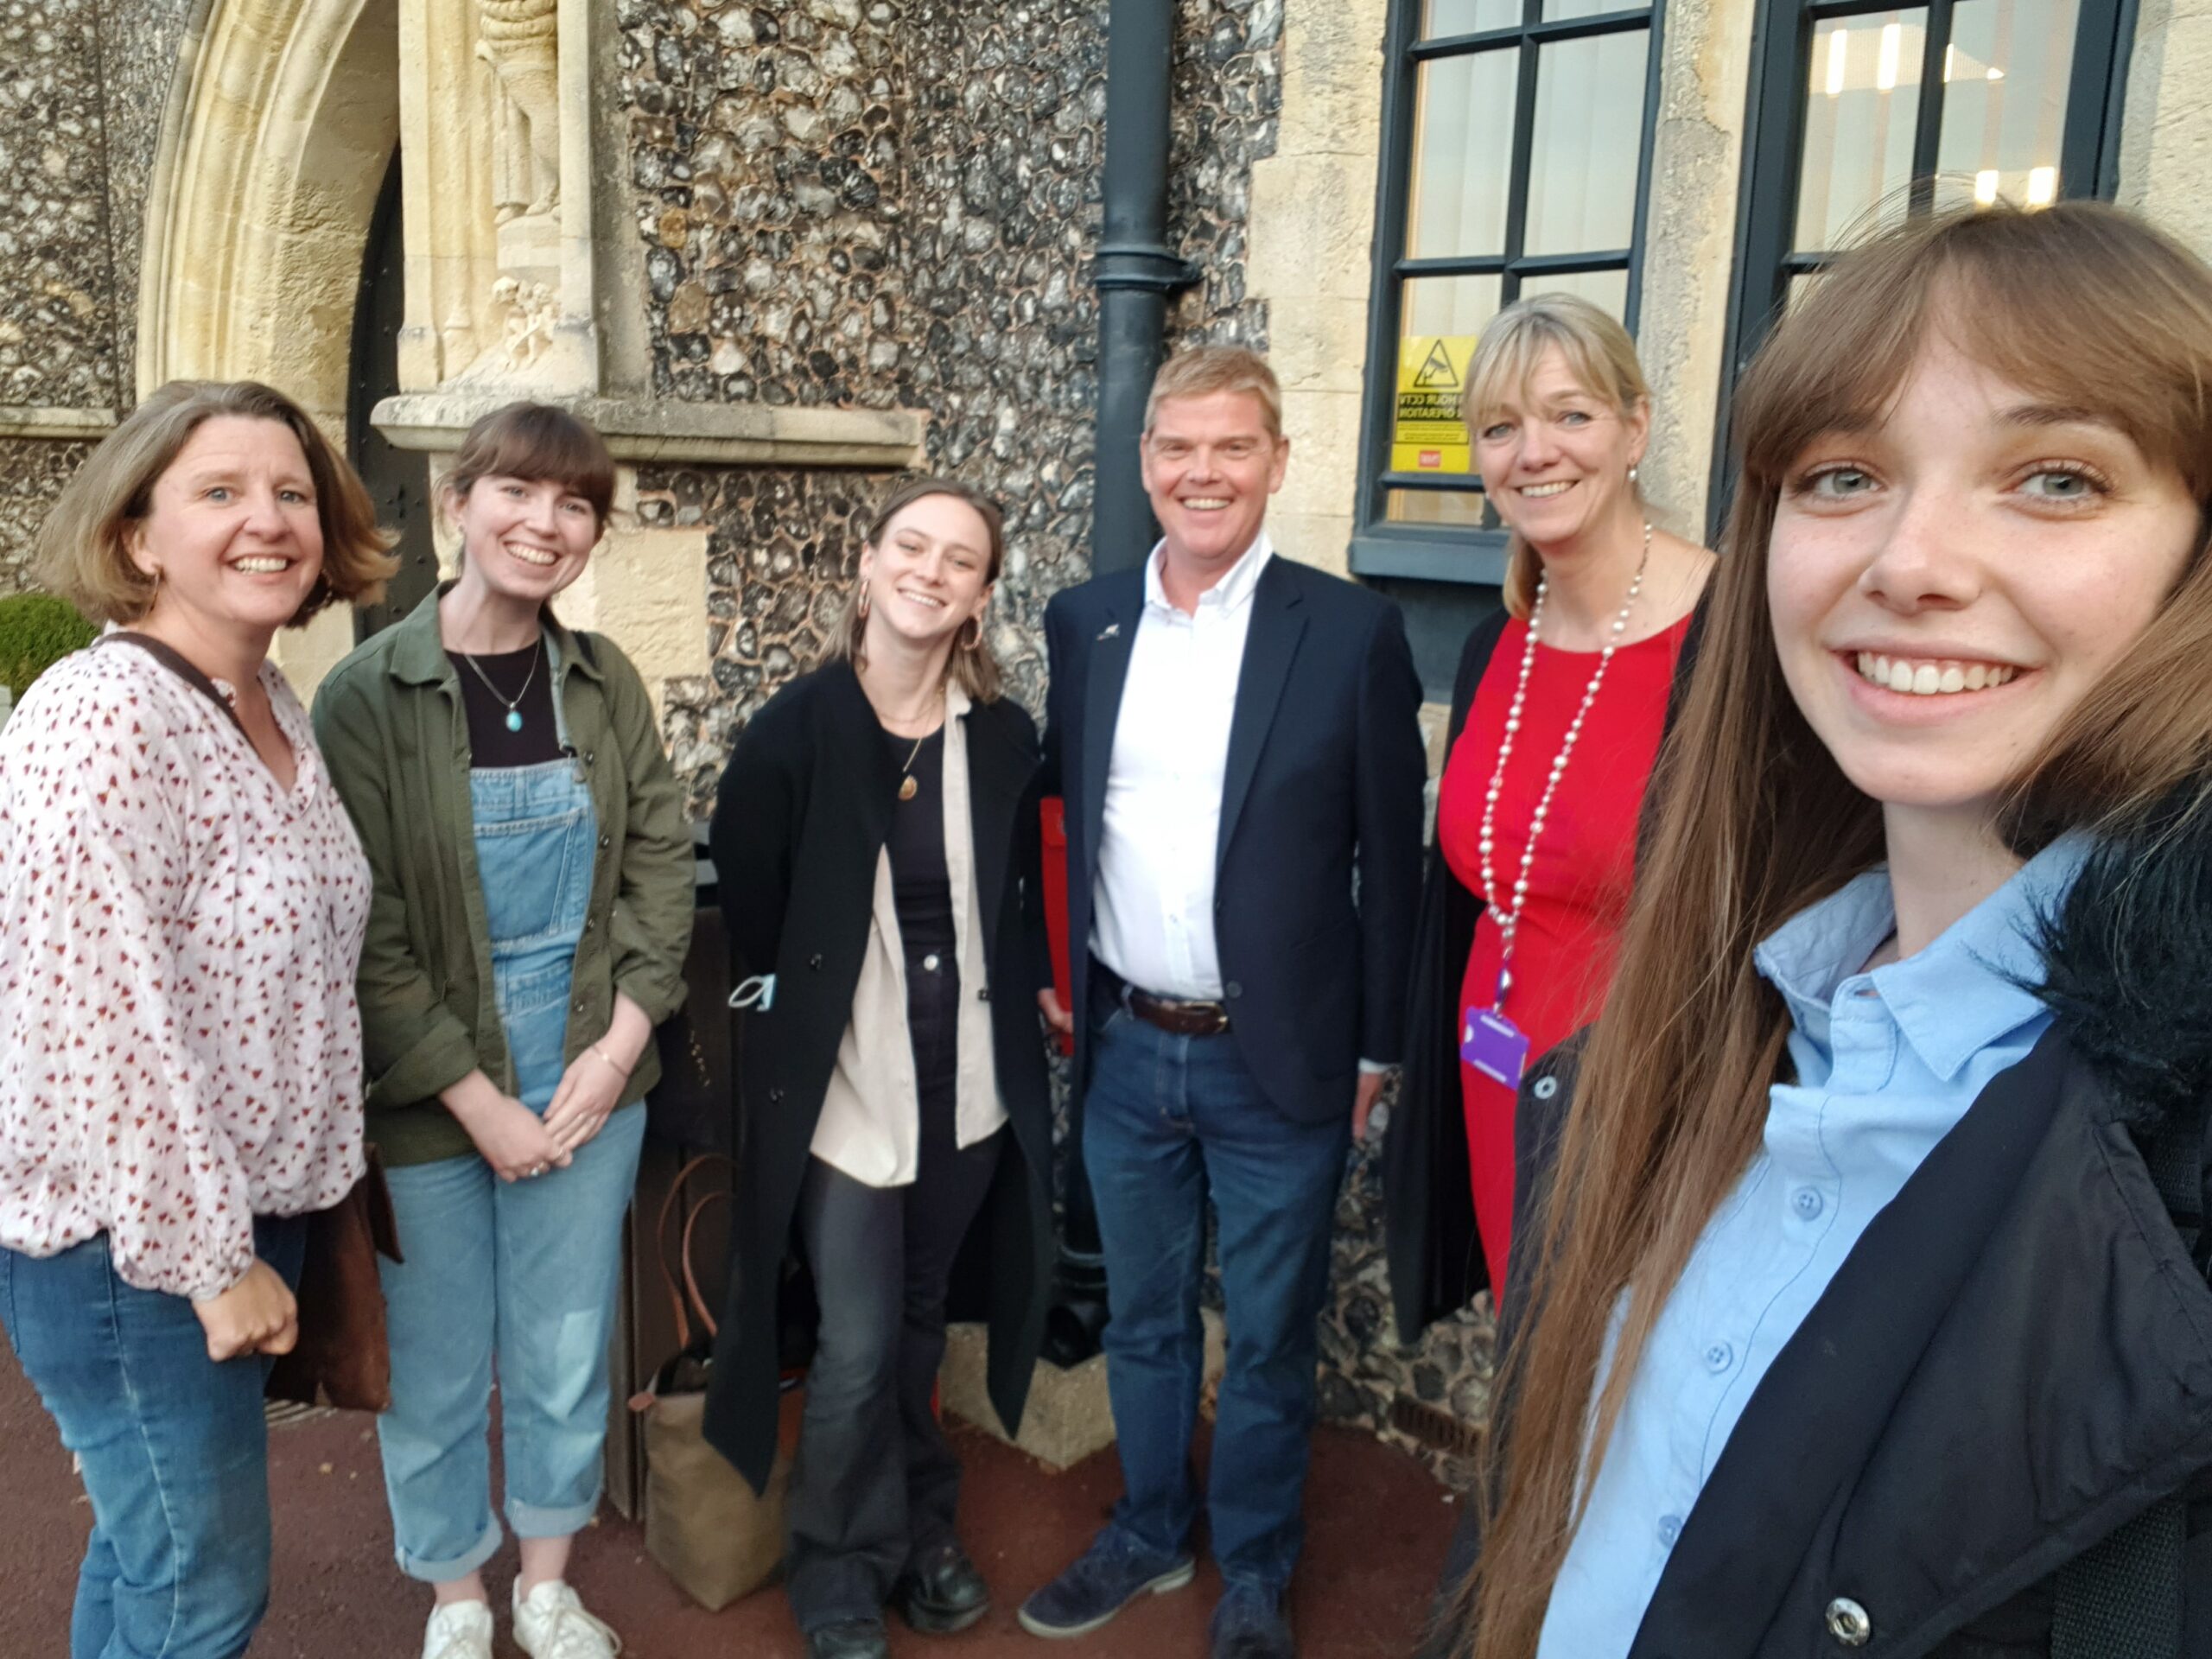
(704, 1527)
(342, 1357)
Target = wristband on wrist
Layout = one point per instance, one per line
(620, 1070)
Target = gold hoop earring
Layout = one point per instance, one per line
(977, 643)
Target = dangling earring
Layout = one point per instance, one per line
(1631, 472)
(863, 604)
(977, 643)
(155, 594)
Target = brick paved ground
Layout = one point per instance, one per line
(1378, 1528)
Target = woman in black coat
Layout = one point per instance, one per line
(1864, 1303)
(871, 838)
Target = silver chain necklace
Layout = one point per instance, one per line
(1509, 918)
(513, 704)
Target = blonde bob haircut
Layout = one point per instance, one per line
(974, 668)
(1598, 354)
(1205, 370)
(83, 551)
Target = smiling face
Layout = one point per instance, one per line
(524, 539)
(1945, 582)
(928, 574)
(232, 530)
(1555, 455)
(1209, 464)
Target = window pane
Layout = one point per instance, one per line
(2005, 78)
(1607, 290)
(1558, 11)
(1860, 111)
(1463, 149)
(1589, 128)
(1441, 17)
(1461, 508)
(1448, 305)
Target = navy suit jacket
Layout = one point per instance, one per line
(1318, 871)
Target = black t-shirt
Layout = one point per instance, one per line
(490, 744)
(921, 889)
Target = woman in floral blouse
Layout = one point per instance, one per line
(182, 905)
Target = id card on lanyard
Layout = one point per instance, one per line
(1494, 1045)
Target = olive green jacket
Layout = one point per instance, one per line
(394, 737)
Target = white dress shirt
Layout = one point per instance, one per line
(1153, 910)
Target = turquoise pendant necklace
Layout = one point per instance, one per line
(513, 704)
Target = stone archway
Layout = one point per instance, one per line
(279, 127)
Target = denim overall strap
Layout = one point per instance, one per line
(536, 832)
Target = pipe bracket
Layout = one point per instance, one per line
(1146, 266)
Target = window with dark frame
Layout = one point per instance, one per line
(1516, 153)
(1864, 111)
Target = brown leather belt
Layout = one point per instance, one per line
(1181, 1018)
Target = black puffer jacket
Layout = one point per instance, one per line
(2014, 1362)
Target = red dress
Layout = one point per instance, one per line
(1579, 884)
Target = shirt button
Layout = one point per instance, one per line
(1718, 1356)
(1808, 1202)
(1233, 989)
(1670, 1528)
(929, 962)
(1848, 1622)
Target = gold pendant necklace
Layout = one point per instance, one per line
(908, 788)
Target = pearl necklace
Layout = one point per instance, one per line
(1508, 920)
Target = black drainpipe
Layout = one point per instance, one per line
(1136, 272)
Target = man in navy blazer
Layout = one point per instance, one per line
(1237, 737)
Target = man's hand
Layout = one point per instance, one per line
(255, 1316)
(1048, 1002)
(1362, 1103)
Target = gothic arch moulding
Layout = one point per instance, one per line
(282, 120)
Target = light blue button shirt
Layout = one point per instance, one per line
(1886, 1064)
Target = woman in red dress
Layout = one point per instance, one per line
(1556, 720)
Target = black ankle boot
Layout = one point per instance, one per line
(942, 1592)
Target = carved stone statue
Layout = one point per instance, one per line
(520, 39)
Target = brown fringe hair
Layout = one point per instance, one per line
(83, 550)
(2079, 303)
(538, 444)
(976, 670)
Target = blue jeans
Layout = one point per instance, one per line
(1167, 1119)
(529, 1268)
(172, 1446)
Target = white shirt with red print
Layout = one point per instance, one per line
(180, 1046)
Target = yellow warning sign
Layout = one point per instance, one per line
(1426, 434)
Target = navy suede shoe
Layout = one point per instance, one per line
(1250, 1622)
(1106, 1577)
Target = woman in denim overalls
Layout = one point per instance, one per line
(533, 904)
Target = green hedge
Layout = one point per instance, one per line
(36, 631)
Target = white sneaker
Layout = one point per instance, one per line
(459, 1630)
(553, 1624)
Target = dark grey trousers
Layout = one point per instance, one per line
(875, 1482)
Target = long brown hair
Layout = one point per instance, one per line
(2081, 304)
(974, 668)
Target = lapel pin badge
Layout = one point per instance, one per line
(1110, 631)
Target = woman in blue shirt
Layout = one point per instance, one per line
(1859, 1315)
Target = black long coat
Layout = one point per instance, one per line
(800, 820)
(2015, 1359)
